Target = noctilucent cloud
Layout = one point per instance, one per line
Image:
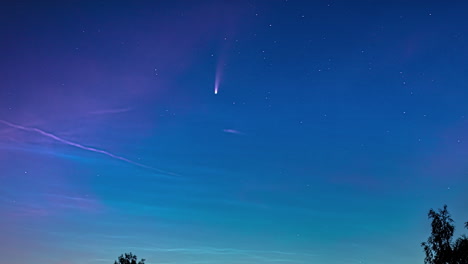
(234, 132)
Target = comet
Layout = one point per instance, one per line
(218, 76)
(217, 80)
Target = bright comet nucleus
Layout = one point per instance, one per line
(216, 86)
(217, 78)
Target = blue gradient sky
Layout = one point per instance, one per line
(337, 126)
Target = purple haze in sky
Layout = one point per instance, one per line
(337, 125)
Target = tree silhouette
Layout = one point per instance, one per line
(129, 258)
(439, 247)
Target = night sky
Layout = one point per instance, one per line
(230, 132)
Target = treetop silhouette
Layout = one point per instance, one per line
(439, 248)
(129, 258)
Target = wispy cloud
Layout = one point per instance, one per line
(266, 256)
(110, 111)
(80, 146)
(233, 131)
(223, 251)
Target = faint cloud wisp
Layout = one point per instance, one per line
(70, 143)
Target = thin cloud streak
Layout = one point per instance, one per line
(233, 131)
(70, 143)
(111, 111)
(222, 251)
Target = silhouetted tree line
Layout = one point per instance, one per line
(439, 248)
(129, 258)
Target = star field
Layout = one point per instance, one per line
(192, 132)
